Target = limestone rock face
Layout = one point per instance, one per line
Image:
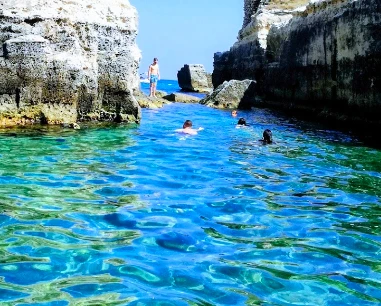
(232, 94)
(247, 58)
(193, 78)
(331, 55)
(64, 61)
(317, 53)
(151, 102)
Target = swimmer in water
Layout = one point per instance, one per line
(267, 137)
(241, 123)
(188, 128)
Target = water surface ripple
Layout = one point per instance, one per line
(140, 215)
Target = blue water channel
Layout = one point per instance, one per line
(142, 215)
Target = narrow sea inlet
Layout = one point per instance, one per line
(141, 215)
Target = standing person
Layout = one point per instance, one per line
(153, 76)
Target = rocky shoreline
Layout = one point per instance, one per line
(320, 56)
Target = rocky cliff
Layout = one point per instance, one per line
(317, 54)
(64, 61)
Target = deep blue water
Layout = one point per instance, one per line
(168, 86)
(141, 215)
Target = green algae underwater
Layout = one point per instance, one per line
(142, 215)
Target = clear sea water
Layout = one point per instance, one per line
(140, 215)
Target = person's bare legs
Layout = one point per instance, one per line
(154, 89)
(151, 85)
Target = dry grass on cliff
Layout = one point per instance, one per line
(286, 4)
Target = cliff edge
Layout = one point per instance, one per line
(66, 61)
(320, 55)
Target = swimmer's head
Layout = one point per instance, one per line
(267, 136)
(234, 113)
(241, 121)
(187, 124)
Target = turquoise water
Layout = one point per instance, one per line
(168, 86)
(140, 215)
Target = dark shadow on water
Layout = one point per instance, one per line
(306, 120)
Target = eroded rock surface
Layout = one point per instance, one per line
(194, 78)
(64, 61)
(231, 95)
(145, 101)
(316, 54)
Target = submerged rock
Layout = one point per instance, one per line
(194, 78)
(73, 125)
(59, 65)
(232, 94)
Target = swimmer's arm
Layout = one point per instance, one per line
(158, 72)
(187, 131)
(200, 129)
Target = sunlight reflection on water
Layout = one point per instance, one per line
(141, 215)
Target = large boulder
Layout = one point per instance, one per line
(60, 65)
(193, 78)
(231, 95)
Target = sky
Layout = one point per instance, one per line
(180, 32)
